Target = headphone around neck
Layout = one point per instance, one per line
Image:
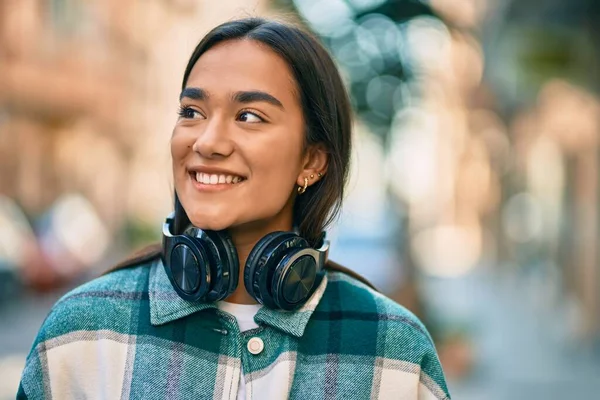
(282, 270)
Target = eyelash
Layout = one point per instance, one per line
(184, 110)
(261, 119)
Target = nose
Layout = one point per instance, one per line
(214, 141)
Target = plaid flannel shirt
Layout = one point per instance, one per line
(129, 335)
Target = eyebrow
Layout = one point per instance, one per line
(256, 95)
(251, 96)
(194, 94)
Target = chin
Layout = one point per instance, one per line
(210, 222)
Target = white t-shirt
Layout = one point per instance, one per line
(244, 313)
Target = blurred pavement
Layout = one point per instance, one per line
(524, 342)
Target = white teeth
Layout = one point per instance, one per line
(214, 179)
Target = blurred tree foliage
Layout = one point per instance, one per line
(365, 38)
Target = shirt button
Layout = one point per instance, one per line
(256, 345)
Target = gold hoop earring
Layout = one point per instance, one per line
(319, 174)
(302, 189)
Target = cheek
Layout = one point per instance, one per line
(177, 147)
(180, 148)
(276, 175)
(280, 160)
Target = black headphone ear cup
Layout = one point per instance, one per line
(253, 261)
(266, 260)
(220, 263)
(205, 243)
(295, 279)
(228, 263)
(187, 267)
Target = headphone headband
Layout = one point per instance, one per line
(323, 253)
(168, 224)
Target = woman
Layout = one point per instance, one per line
(239, 301)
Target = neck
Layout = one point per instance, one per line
(245, 238)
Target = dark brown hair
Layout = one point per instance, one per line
(327, 116)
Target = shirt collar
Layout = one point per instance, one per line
(167, 306)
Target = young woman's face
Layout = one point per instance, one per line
(237, 147)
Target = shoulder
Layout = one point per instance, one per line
(372, 320)
(99, 304)
(368, 323)
(352, 297)
(126, 280)
(71, 339)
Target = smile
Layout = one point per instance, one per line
(215, 179)
(211, 182)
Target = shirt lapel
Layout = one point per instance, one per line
(292, 322)
(167, 306)
(165, 303)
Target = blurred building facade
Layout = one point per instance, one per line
(81, 83)
(70, 82)
(88, 99)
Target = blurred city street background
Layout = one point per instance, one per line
(474, 195)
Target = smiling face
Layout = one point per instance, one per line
(237, 147)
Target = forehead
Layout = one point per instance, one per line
(238, 65)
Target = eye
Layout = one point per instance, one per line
(250, 117)
(189, 113)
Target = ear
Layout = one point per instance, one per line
(314, 163)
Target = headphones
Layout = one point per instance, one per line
(282, 270)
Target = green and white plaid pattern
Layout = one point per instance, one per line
(129, 335)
